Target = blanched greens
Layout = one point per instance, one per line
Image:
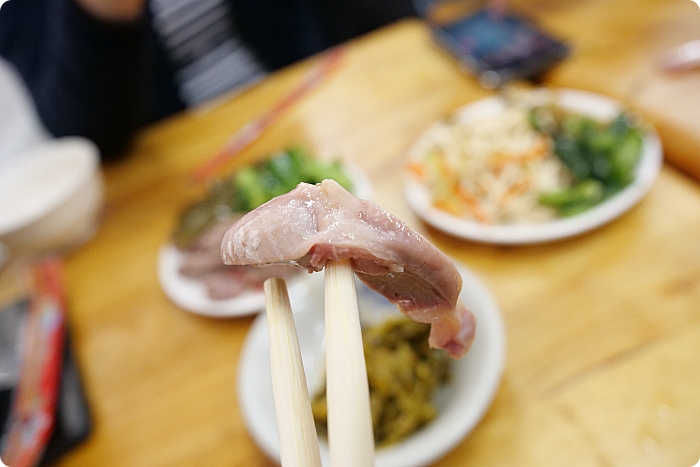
(253, 186)
(602, 157)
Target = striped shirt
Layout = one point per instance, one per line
(200, 38)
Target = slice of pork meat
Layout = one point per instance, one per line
(316, 223)
(204, 254)
(231, 281)
(202, 261)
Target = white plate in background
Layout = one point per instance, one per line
(191, 294)
(461, 403)
(594, 105)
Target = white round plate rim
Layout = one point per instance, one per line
(191, 294)
(648, 168)
(482, 366)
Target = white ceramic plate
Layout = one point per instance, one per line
(461, 404)
(191, 294)
(594, 105)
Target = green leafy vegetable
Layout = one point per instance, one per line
(602, 157)
(253, 186)
(576, 199)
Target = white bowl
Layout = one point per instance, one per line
(460, 404)
(50, 197)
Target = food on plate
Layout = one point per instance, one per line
(532, 162)
(202, 225)
(492, 169)
(251, 186)
(403, 375)
(201, 260)
(601, 156)
(316, 223)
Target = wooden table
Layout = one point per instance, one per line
(603, 330)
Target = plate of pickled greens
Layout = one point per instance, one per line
(530, 166)
(423, 403)
(190, 270)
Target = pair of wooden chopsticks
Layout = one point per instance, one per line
(350, 436)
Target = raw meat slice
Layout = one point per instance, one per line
(230, 281)
(202, 261)
(316, 223)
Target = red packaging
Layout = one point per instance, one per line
(34, 404)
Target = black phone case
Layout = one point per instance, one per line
(73, 422)
(499, 50)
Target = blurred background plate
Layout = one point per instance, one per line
(460, 404)
(594, 105)
(191, 294)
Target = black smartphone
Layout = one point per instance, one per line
(499, 48)
(72, 421)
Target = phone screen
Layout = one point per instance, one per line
(500, 48)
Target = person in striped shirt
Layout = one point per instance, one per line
(104, 68)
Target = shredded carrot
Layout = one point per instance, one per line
(515, 190)
(479, 212)
(450, 207)
(539, 150)
(418, 170)
(498, 161)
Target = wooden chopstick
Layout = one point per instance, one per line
(351, 440)
(350, 436)
(252, 131)
(295, 424)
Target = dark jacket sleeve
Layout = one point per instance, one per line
(88, 77)
(346, 19)
(284, 31)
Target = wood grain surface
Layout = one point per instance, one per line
(603, 329)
